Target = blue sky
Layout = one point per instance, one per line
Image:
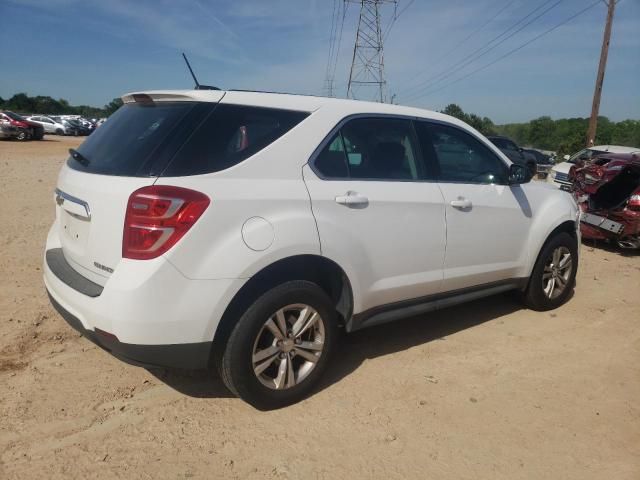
(91, 51)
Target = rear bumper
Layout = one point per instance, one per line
(147, 312)
(192, 356)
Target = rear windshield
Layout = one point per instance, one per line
(180, 138)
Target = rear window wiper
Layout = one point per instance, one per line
(78, 157)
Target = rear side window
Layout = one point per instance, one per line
(180, 138)
(229, 135)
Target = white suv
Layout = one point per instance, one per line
(243, 229)
(49, 124)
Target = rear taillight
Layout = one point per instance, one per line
(158, 217)
(634, 202)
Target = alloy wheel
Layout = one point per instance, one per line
(557, 272)
(288, 346)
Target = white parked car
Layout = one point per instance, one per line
(49, 124)
(559, 175)
(244, 229)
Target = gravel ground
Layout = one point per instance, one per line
(484, 390)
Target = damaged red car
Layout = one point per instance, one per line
(607, 190)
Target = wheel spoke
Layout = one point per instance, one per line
(267, 352)
(547, 275)
(291, 377)
(282, 373)
(274, 329)
(561, 282)
(565, 262)
(304, 322)
(258, 369)
(556, 257)
(315, 346)
(567, 266)
(306, 355)
(550, 286)
(282, 322)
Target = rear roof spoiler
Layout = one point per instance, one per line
(174, 96)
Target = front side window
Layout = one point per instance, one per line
(459, 157)
(372, 149)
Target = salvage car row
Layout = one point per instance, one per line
(607, 190)
(34, 127)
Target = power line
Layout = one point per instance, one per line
(472, 57)
(337, 50)
(510, 52)
(328, 80)
(396, 15)
(464, 40)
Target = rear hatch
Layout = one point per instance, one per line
(128, 152)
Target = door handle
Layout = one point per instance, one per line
(352, 199)
(461, 203)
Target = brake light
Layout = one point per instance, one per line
(634, 202)
(158, 217)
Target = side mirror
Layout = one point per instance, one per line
(566, 157)
(518, 174)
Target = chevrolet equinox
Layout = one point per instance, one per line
(246, 229)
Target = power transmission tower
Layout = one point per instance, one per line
(595, 106)
(367, 65)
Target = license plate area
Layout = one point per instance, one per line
(602, 222)
(74, 230)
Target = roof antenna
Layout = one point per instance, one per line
(198, 86)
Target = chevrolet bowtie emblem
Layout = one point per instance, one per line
(59, 200)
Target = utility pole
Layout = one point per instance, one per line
(367, 64)
(595, 107)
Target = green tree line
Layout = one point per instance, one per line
(23, 103)
(564, 136)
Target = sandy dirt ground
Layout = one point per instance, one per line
(485, 390)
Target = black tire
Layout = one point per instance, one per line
(235, 365)
(22, 136)
(534, 296)
(59, 132)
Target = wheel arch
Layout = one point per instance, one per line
(327, 274)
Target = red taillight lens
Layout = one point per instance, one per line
(634, 202)
(157, 217)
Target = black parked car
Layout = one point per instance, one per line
(515, 153)
(79, 127)
(543, 161)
